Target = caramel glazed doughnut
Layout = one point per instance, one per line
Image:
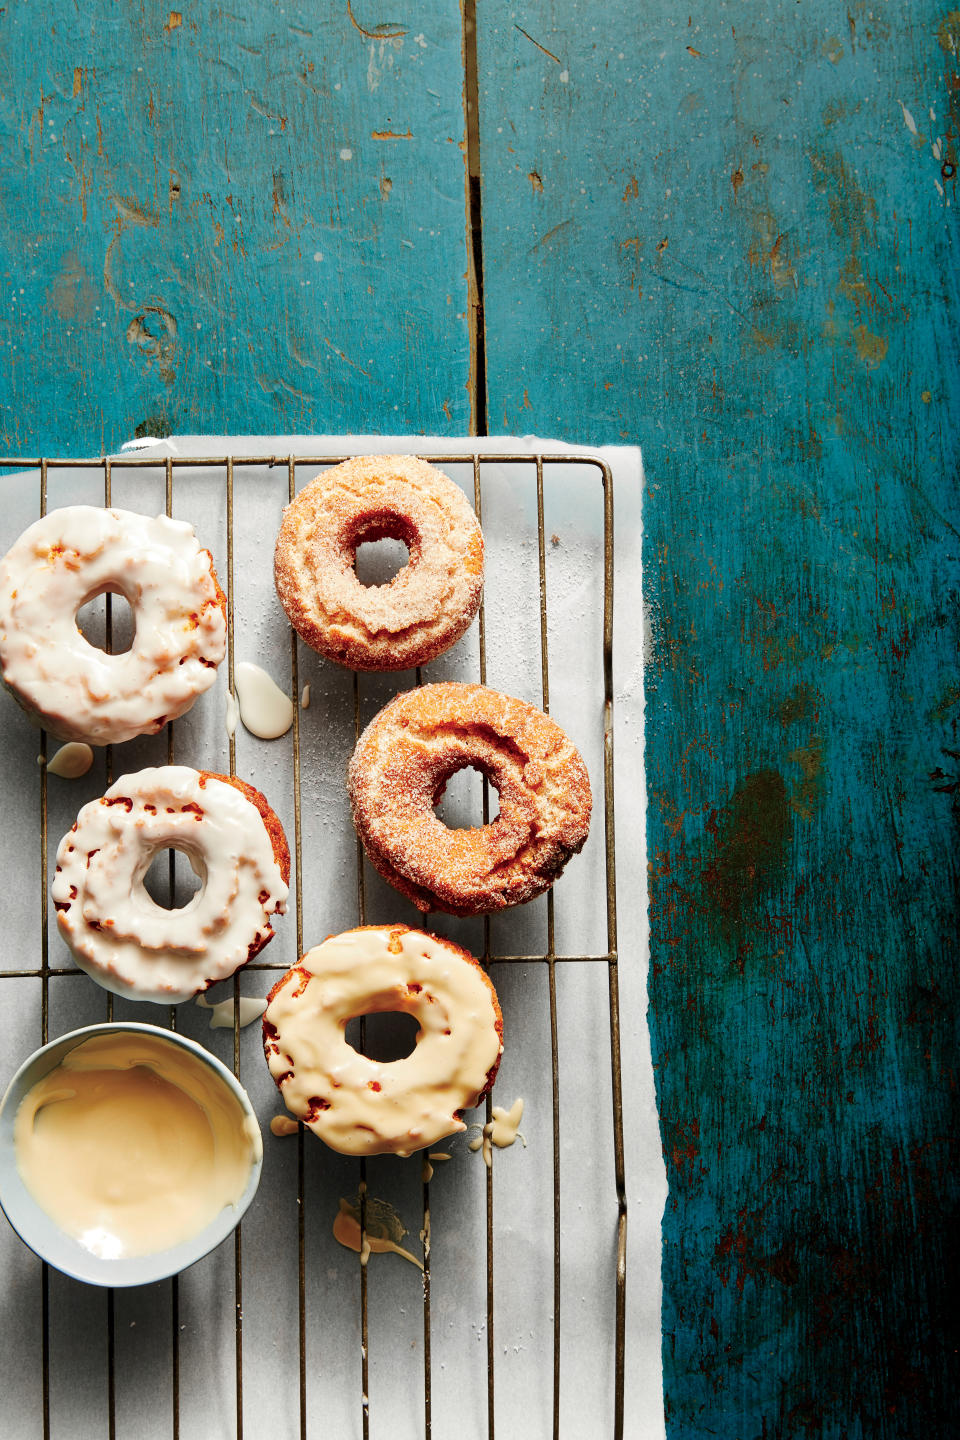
(119, 936)
(401, 765)
(69, 686)
(361, 1106)
(427, 605)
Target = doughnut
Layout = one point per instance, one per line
(67, 685)
(398, 773)
(427, 605)
(361, 1106)
(131, 945)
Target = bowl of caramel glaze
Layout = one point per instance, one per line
(127, 1153)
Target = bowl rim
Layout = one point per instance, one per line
(41, 1233)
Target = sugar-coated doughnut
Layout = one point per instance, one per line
(67, 685)
(428, 604)
(131, 945)
(361, 1106)
(398, 773)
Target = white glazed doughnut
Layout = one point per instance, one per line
(74, 690)
(361, 1106)
(126, 942)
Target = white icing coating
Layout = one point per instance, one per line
(71, 760)
(305, 697)
(264, 709)
(232, 715)
(74, 690)
(372, 1106)
(117, 933)
(221, 1014)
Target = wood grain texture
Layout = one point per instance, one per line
(731, 236)
(215, 220)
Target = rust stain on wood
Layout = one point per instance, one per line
(751, 835)
(871, 348)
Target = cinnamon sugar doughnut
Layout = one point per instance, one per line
(401, 765)
(131, 945)
(427, 605)
(361, 1106)
(74, 690)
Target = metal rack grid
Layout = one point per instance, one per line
(548, 958)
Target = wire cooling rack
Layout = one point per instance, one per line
(311, 1387)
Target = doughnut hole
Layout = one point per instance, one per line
(107, 622)
(458, 801)
(382, 546)
(385, 1035)
(171, 881)
(379, 562)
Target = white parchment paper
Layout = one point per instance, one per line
(522, 1209)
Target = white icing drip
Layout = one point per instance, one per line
(264, 709)
(416, 1099)
(305, 697)
(75, 690)
(71, 760)
(232, 715)
(221, 1014)
(119, 936)
(380, 1235)
(501, 1131)
(283, 1125)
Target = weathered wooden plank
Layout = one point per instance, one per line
(731, 236)
(248, 221)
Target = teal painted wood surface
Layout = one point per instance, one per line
(215, 220)
(730, 236)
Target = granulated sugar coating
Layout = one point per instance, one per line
(425, 608)
(401, 766)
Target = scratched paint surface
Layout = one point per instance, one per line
(732, 236)
(214, 220)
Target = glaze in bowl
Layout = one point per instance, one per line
(46, 1238)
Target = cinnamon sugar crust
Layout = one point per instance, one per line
(398, 773)
(428, 604)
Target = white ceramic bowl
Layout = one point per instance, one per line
(44, 1236)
